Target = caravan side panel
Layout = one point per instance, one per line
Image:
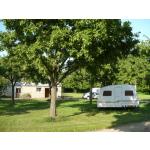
(117, 98)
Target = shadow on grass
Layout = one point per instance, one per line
(140, 114)
(24, 106)
(92, 110)
(122, 115)
(21, 106)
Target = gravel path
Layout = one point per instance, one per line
(134, 127)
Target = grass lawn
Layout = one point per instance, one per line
(73, 115)
(73, 95)
(143, 96)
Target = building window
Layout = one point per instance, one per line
(18, 90)
(107, 93)
(38, 89)
(129, 93)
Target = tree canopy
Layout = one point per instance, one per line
(10, 69)
(132, 70)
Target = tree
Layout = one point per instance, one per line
(3, 85)
(101, 42)
(144, 49)
(107, 74)
(11, 66)
(144, 52)
(10, 69)
(46, 44)
(59, 47)
(132, 70)
(78, 80)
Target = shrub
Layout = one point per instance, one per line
(26, 95)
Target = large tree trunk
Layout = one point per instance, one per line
(12, 94)
(53, 101)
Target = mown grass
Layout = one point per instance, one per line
(73, 95)
(72, 115)
(143, 96)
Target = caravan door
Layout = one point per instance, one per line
(118, 93)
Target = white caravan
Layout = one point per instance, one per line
(118, 96)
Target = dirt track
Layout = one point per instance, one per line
(134, 127)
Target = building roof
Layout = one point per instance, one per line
(32, 84)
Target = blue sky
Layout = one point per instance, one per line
(138, 25)
(2, 28)
(141, 25)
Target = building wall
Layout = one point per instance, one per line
(32, 90)
(8, 91)
(59, 91)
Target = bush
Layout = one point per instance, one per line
(26, 95)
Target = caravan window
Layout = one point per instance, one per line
(107, 93)
(128, 93)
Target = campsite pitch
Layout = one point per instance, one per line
(73, 115)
